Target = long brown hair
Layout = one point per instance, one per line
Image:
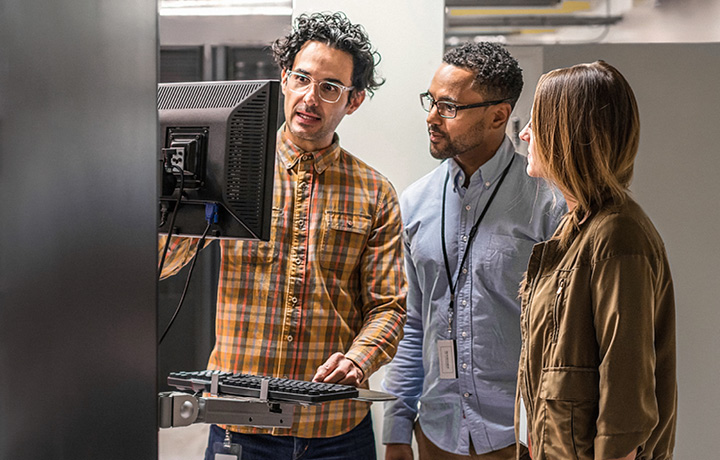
(586, 130)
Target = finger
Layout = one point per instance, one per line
(346, 373)
(322, 372)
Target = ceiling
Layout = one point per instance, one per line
(507, 21)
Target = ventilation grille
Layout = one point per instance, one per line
(246, 159)
(204, 96)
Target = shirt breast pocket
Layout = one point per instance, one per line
(505, 262)
(342, 239)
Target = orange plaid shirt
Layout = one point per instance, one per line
(330, 279)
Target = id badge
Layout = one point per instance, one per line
(523, 424)
(225, 451)
(446, 354)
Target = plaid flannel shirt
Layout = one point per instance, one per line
(330, 279)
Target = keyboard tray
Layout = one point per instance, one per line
(247, 385)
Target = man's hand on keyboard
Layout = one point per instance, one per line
(339, 369)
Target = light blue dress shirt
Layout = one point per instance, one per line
(479, 404)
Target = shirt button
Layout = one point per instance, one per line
(464, 334)
(467, 395)
(464, 238)
(306, 157)
(467, 208)
(289, 338)
(487, 184)
(464, 366)
(294, 300)
(464, 270)
(464, 302)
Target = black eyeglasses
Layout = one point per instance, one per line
(449, 109)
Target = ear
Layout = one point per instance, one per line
(500, 115)
(354, 102)
(282, 81)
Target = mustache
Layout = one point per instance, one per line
(434, 129)
(312, 110)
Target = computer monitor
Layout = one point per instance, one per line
(218, 143)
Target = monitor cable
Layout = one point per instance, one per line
(211, 212)
(172, 220)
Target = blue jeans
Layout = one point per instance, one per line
(356, 444)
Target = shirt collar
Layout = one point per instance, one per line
(487, 174)
(290, 154)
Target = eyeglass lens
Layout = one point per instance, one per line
(299, 83)
(445, 109)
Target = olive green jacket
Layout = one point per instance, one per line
(597, 367)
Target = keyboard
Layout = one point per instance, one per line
(246, 385)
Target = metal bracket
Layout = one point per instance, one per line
(183, 409)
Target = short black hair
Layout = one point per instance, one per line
(334, 30)
(497, 73)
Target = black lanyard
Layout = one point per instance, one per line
(471, 237)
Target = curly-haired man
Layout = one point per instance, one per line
(324, 299)
(470, 225)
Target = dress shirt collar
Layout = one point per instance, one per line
(488, 173)
(290, 153)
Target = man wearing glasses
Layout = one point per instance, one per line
(324, 299)
(470, 226)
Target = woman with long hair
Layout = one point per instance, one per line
(597, 369)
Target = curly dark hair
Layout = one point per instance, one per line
(334, 30)
(497, 73)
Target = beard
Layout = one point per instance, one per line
(443, 153)
(451, 147)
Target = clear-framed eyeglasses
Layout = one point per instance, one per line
(448, 109)
(328, 91)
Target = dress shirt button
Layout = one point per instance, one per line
(289, 338)
(467, 207)
(467, 395)
(464, 334)
(294, 300)
(464, 238)
(464, 366)
(464, 302)
(306, 157)
(464, 270)
(487, 184)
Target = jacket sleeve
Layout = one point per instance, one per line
(623, 290)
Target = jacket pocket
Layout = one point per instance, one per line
(569, 397)
(559, 303)
(342, 239)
